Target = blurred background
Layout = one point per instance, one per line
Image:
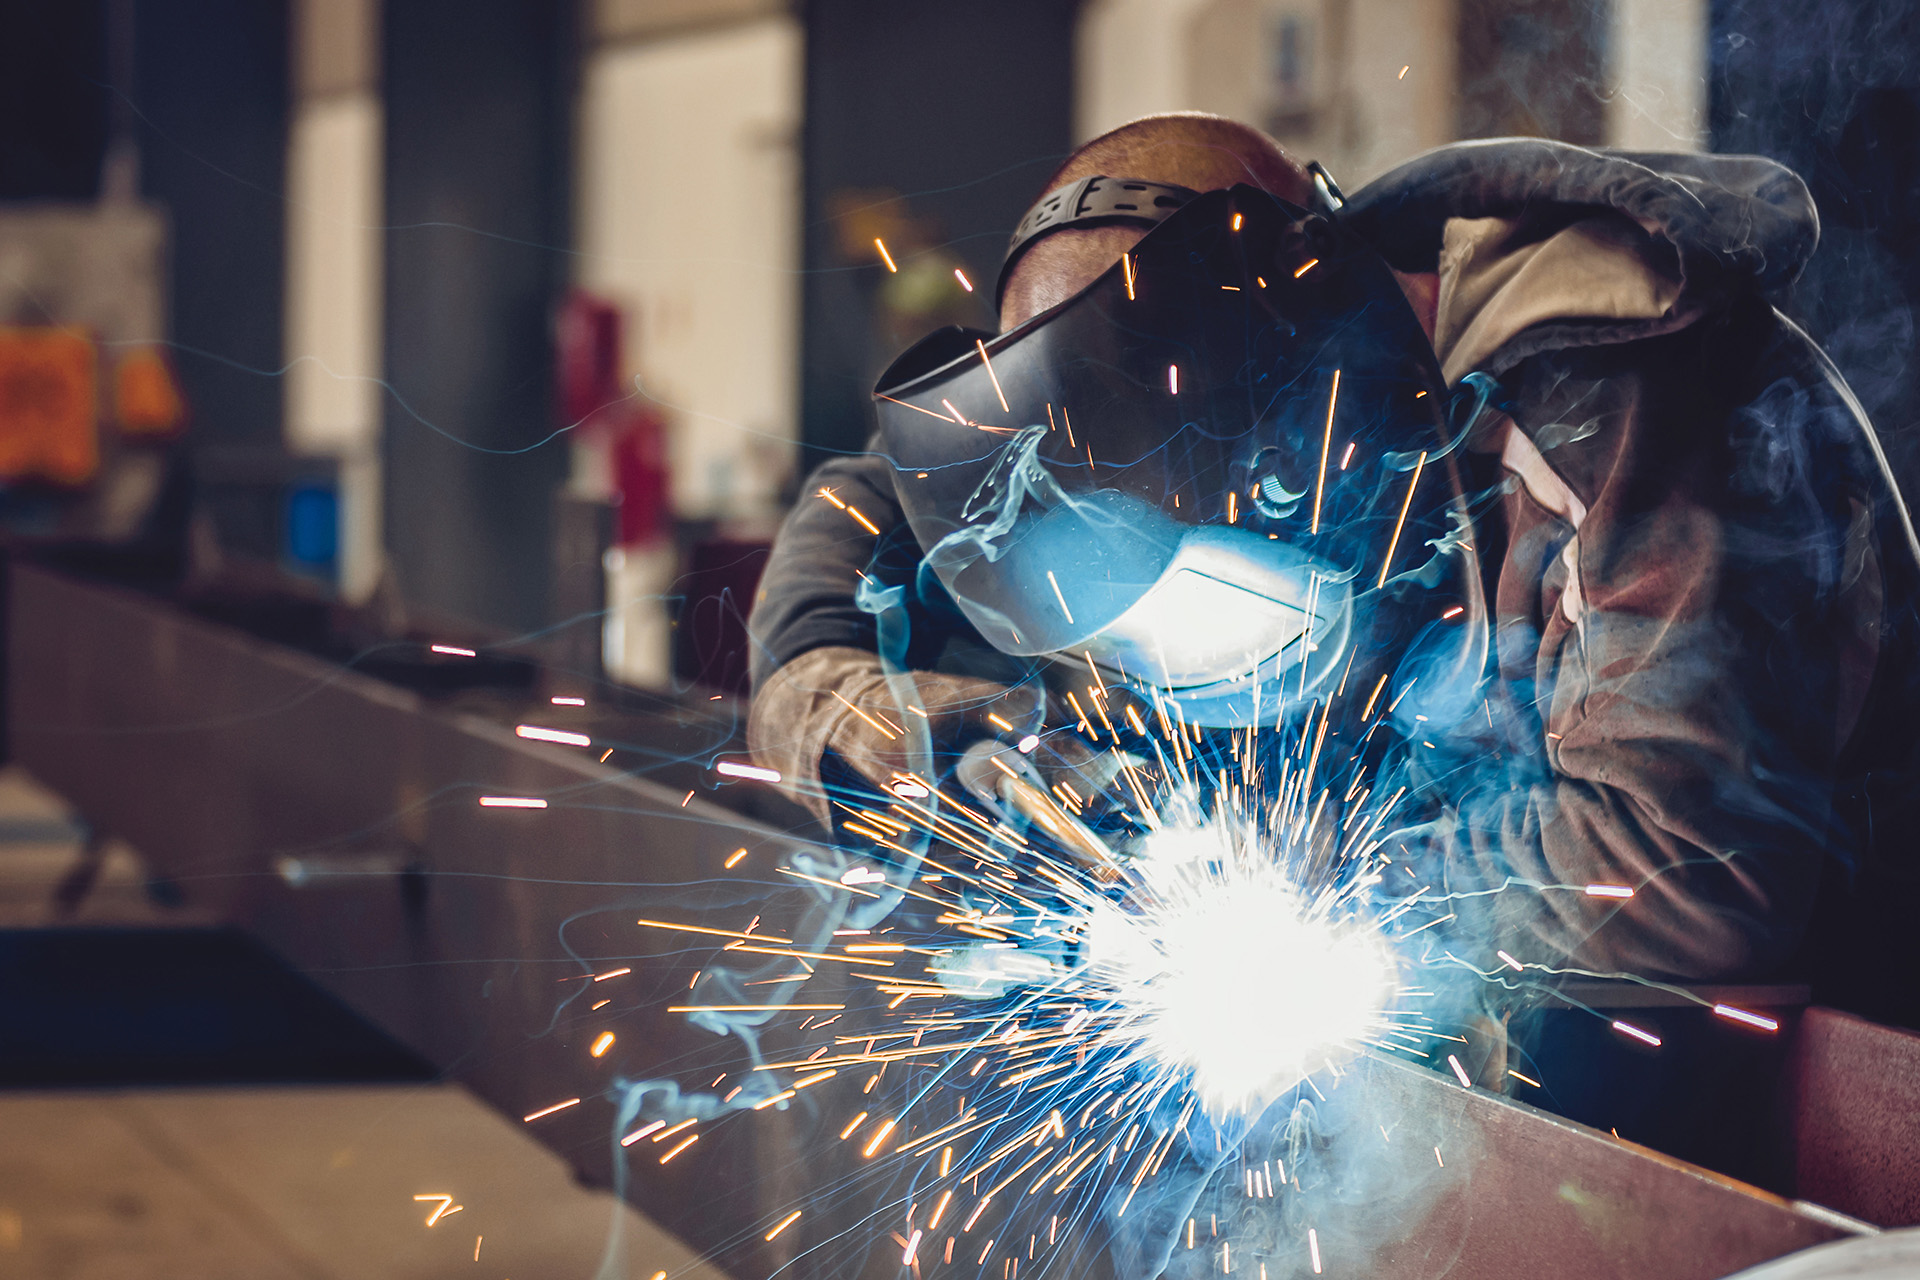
(511, 311)
(380, 381)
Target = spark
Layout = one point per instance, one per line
(1515, 965)
(1645, 1037)
(981, 347)
(1609, 891)
(1399, 524)
(512, 802)
(733, 769)
(1368, 713)
(1118, 959)
(733, 859)
(1403, 72)
(612, 973)
(1236, 221)
(1205, 915)
(1525, 1079)
(1347, 457)
(561, 736)
(1326, 445)
(891, 735)
(1126, 268)
(642, 1132)
(718, 933)
(961, 276)
(885, 1128)
(1305, 267)
(547, 1111)
(561, 700)
(447, 1206)
(453, 651)
(1313, 1248)
(680, 1146)
(1751, 1019)
(601, 1043)
(903, 404)
(1173, 379)
(605, 754)
(745, 1008)
(1058, 596)
(884, 255)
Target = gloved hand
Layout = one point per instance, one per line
(838, 699)
(1008, 782)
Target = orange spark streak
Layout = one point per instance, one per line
(1399, 524)
(1326, 447)
(718, 933)
(981, 347)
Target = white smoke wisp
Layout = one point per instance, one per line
(1221, 966)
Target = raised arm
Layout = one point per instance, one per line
(1689, 608)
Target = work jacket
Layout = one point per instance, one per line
(1701, 574)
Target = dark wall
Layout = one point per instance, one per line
(1832, 89)
(478, 110)
(962, 111)
(1532, 68)
(210, 102)
(53, 105)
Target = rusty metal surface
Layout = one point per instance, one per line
(1853, 1107)
(221, 757)
(1526, 1194)
(465, 931)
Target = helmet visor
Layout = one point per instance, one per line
(1191, 470)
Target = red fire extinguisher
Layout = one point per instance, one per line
(614, 415)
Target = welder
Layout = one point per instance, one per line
(1658, 582)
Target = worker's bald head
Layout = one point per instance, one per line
(1188, 149)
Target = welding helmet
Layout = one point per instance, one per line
(1204, 472)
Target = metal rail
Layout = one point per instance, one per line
(337, 817)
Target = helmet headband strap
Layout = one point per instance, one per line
(1096, 200)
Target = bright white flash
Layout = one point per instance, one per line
(1222, 967)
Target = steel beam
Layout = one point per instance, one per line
(337, 817)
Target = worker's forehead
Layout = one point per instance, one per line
(1060, 265)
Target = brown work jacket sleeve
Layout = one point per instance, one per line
(1687, 601)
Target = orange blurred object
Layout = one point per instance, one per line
(49, 406)
(146, 399)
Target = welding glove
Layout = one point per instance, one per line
(837, 700)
